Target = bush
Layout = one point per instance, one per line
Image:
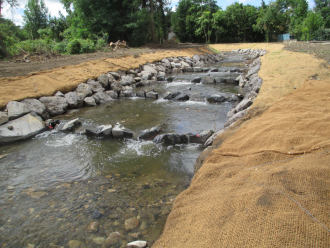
(100, 43)
(61, 47)
(74, 46)
(87, 46)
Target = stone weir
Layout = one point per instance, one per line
(23, 120)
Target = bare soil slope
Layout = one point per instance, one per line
(77, 69)
(266, 185)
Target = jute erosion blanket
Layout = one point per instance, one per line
(267, 185)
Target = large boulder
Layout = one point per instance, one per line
(141, 93)
(210, 140)
(116, 86)
(126, 80)
(3, 118)
(236, 117)
(182, 97)
(253, 70)
(36, 106)
(90, 101)
(196, 80)
(84, 90)
(196, 58)
(69, 126)
(101, 97)
(22, 128)
(171, 95)
(104, 80)
(244, 104)
(150, 69)
(201, 137)
(115, 75)
(96, 86)
(55, 105)
(146, 75)
(127, 93)
(148, 134)
(73, 100)
(16, 109)
(113, 94)
(119, 132)
(100, 131)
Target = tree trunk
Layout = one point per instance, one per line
(152, 22)
(164, 26)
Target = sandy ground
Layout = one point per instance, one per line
(66, 78)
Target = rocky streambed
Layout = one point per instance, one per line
(110, 171)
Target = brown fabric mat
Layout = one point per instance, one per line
(267, 185)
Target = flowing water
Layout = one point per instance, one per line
(55, 185)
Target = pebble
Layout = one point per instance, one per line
(131, 224)
(137, 244)
(113, 238)
(10, 127)
(134, 235)
(74, 244)
(93, 227)
(10, 187)
(38, 194)
(111, 190)
(98, 240)
(31, 245)
(96, 215)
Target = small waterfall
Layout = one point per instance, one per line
(158, 138)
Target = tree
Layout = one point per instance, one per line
(179, 21)
(323, 8)
(35, 17)
(298, 12)
(12, 4)
(312, 23)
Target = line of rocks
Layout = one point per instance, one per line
(24, 119)
(251, 83)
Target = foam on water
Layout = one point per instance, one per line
(194, 103)
(178, 83)
(66, 140)
(160, 100)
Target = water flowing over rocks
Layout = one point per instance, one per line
(147, 134)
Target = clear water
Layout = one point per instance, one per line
(53, 186)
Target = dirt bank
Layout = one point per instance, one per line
(67, 78)
(265, 184)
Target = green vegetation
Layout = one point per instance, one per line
(90, 25)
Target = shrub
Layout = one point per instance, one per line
(61, 47)
(74, 46)
(87, 46)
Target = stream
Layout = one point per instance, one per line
(70, 190)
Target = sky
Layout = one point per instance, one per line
(54, 6)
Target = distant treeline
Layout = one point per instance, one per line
(91, 25)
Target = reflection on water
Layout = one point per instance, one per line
(60, 189)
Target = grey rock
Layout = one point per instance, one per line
(127, 93)
(113, 239)
(59, 93)
(231, 113)
(131, 72)
(208, 80)
(198, 97)
(184, 65)
(3, 118)
(131, 224)
(70, 126)
(137, 79)
(115, 75)
(55, 105)
(176, 70)
(126, 80)
(196, 80)
(101, 97)
(73, 100)
(137, 244)
(171, 95)
(253, 70)
(166, 62)
(147, 134)
(171, 138)
(216, 98)
(90, 101)
(170, 79)
(121, 72)
(116, 86)
(36, 106)
(104, 80)
(175, 65)
(150, 69)
(146, 75)
(84, 90)
(152, 95)
(245, 103)
(213, 70)
(113, 94)
(200, 64)
(196, 58)
(16, 109)
(201, 137)
(141, 93)
(24, 127)
(100, 131)
(210, 140)
(120, 131)
(96, 86)
(198, 69)
(189, 69)
(161, 78)
(236, 117)
(182, 97)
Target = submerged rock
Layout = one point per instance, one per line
(216, 98)
(113, 238)
(171, 138)
(23, 128)
(100, 131)
(131, 224)
(70, 126)
(137, 244)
